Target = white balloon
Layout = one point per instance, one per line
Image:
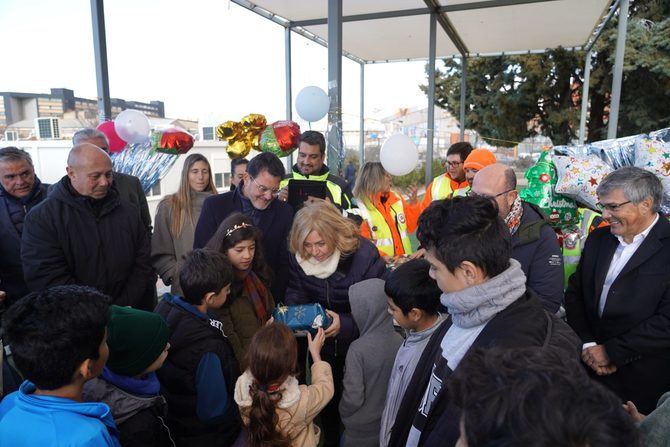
(399, 155)
(312, 103)
(133, 126)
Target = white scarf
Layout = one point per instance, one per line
(321, 270)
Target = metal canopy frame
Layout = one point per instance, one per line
(437, 13)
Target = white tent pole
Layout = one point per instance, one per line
(464, 77)
(430, 131)
(334, 85)
(585, 97)
(361, 137)
(289, 100)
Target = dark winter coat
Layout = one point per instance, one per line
(536, 248)
(191, 337)
(275, 222)
(333, 292)
(141, 420)
(130, 191)
(69, 240)
(239, 319)
(11, 272)
(523, 323)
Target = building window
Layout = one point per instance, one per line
(222, 180)
(208, 133)
(155, 190)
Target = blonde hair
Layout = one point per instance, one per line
(369, 181)
(324, 218)
(180, 202)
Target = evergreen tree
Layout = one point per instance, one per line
(510, 98)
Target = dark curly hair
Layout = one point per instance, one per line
(466, 229)
(53, 332)
(536, 397)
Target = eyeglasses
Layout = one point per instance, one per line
(453, 164)
(264, 189)
(611, 207)
(471, 193)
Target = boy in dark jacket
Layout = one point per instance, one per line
(198, 377)
(489, 305)
(368, 364)
(138, 346)
(58, 341)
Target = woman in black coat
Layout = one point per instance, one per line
(328, 255)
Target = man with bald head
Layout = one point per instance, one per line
(84, 234)
(129, 187)
(534, 242)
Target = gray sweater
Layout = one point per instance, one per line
(368, 364)
(403, 369)
(655, 428)
(167, 249)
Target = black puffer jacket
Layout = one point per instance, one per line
(333, 292)
(140, 419)
(69, 240)
(11, 275)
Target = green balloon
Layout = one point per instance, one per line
(542, 178)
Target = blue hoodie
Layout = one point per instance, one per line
(27, 419)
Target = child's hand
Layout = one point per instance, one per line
(315, 344)
(270, 321)
(631, 409)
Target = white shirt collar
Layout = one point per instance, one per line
(639, 237)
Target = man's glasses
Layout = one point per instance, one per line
(611, 207)
(471, 193)
(264, 189)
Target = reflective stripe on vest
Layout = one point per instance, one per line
(571, 255)
(382, 236)
(461, 192)
(441, 188)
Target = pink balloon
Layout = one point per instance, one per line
(116, 144)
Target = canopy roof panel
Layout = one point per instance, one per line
(382, 30)
(389, 39)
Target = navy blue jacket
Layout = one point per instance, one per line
(11, 273)
(536, 247)
(65, 241)
(333, 292)
(275, 222)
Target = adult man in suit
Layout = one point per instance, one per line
(255, 197)
(618, 300)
